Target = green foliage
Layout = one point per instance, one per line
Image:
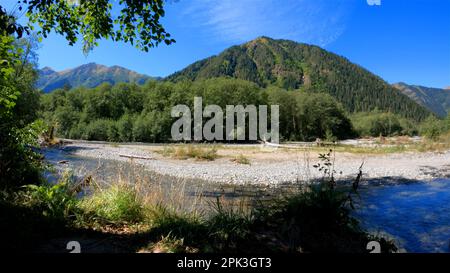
(19, 164)
(433, 127)
(128, 112)
(57, 202)
(138, 22)
(229, 225)
(382, 124)
(9, 93)
(307, 116)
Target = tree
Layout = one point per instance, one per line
(18, 163)
(138, 22)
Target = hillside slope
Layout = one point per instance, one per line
(435, 99)
(293, 65)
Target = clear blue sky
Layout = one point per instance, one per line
(399, 40)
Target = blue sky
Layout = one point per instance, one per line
(399, 40)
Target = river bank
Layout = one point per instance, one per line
(269, 166)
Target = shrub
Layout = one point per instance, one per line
(381, 124)
(432, 127)
(57, 202)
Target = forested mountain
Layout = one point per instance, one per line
(435, 99)
(88, 75)
(293, 65)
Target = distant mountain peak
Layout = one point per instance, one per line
(47, 68)
(87, 75)
(435, 99)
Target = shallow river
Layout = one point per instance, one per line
(415, 214)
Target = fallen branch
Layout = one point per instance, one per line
(136, 157)
(300, 145)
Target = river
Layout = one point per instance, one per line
(416, 214)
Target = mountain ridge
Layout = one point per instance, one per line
(87, 75)
(291, 65)
(436, 100)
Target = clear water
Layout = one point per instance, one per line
(415, 214)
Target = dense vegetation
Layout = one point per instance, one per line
(292, 65)
(377, 123)
(19, 102)
(129, 112)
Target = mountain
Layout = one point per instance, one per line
(293, 65)
(435, 99)
(88, 75)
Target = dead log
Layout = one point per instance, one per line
(136, 157)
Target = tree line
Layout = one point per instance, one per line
(129, 112)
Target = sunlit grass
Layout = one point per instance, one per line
(207, 153)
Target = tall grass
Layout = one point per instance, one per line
(191, 151)
(118, 204)
(241, 159)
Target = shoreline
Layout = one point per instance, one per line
(270, 167)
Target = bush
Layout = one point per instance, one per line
(433, 127)
(56, 202)
(382, 124)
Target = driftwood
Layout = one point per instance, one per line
(301, 145)
(282, 146)
(136, 157)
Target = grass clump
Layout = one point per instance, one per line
(241, 159)
(191, 151)
(164, 220)
(229, 226)
(169, 244)
(117, 205)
